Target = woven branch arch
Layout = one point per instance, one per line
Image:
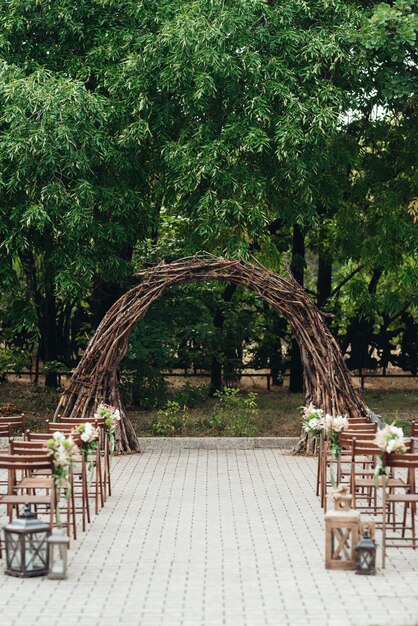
(327, 380)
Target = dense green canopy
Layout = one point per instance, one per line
(137, 131)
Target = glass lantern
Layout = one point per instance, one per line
(26, 540)
(366, 555)
(58, 543)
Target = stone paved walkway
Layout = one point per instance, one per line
(207, 537)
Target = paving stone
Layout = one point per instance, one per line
(201, 537)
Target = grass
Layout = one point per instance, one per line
(279, 413)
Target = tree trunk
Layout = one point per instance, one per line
(298, 269)
(216, 380)
(48, 328)
(324, 280)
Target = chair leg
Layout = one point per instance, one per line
(85, 492)
(73, 512)
(318, 472)
(107, 481)
(99, 477)
(384, 525)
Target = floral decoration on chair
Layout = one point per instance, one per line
(389, 439)
(313, 421)
(89, 436)
(64, 452)
(111, 419)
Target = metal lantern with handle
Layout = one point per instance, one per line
(26, 540)
(366, 555)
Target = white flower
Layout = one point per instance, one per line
(58, 436)
(335, 423)
(391, 439)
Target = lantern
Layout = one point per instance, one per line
(58, 543)
(366, 555)
(26, 546)
(341, 531)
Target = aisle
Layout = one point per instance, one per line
(211, 537)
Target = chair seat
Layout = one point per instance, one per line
(25, 499)
(36, 483)
(392, 482)
(402, 497)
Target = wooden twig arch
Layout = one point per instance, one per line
(327, 380)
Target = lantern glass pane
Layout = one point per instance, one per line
(13, 552)
(58, 560)
(36, 551)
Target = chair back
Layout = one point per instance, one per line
(364, 427)
(91, 420)
(44, 437)
(28, 447)
(30, 462)
(409, 460)
(62, 427)
(345, 438)
(16, 422)
(37, 436)
(363, 447)
(358, 420)
(5, 430)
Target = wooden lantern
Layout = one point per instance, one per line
(341, 531)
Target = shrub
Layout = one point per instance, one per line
(191, 396)
(146, 389)
(169, 421)
(234, 415)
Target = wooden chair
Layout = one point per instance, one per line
(359, 420)
(362, 484)
(409, 498)
(345, 440)
(79, 472)
(104, 447)
(326, 462)
(414, 434)
(5, 433)
(20, 491)
(17, 423)
(69, 428)
(38, 447)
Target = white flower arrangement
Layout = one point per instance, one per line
(335, 423)
(312, 420)
(89, 436)
(391, 439)
(111, 418)
(64, 452)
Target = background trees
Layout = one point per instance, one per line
(134, 132)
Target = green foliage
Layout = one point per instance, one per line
(169, 421)
(12, 359)
(234, 415)
(191, 396)
(134, 132)
(145, 388)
